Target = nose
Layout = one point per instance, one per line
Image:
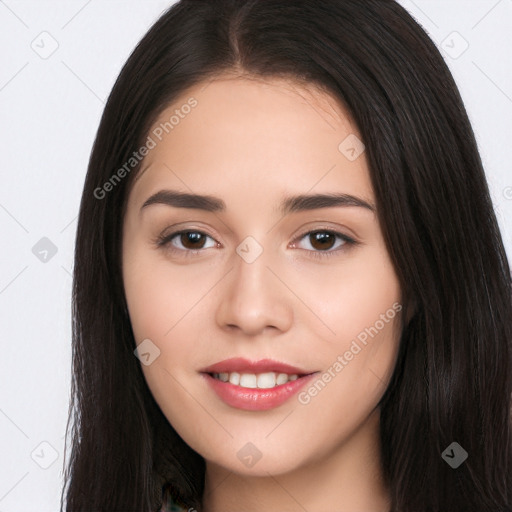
(254, 300)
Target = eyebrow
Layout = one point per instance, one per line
(291, 204)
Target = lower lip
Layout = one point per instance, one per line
(255, 399)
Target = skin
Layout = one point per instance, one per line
(251, 142)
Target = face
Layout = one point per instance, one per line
(293, 302)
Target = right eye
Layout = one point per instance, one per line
(192, 241)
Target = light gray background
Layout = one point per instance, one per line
(50, 108)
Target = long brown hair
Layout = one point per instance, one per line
(453, 377)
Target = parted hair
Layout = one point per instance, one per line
(453, 376)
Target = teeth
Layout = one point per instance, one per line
(266, 380)
(234, 378)
(248, 380)
(282, 378)
(252, 380)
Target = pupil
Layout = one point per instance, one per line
(191, 237)
(323, 239)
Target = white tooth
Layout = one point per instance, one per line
(234, 378)
(293, 377)
(224, 377)
(266, 380)
(282, 378)
(248, 380)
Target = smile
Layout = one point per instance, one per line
(252, 380)
(255, 385)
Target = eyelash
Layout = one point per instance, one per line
(163, 241)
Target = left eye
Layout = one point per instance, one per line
(321, 241)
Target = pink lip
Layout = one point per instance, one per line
(241, 365)
(254, 399)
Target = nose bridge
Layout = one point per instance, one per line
(253, 297)
(251, 268)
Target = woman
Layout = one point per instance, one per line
(290, 288)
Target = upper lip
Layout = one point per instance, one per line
(241, 365)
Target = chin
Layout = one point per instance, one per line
(249, 461)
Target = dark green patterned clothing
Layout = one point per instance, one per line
(175, 505)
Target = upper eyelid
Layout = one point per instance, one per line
(315, 225)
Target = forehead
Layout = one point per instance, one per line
(277, 100)
(255, 134)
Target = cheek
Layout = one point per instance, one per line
(349, 297)
(156, 295)
(359, 359)
(158, 298)
(166, 305)
(361, 305)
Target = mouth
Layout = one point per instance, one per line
(255, 386)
